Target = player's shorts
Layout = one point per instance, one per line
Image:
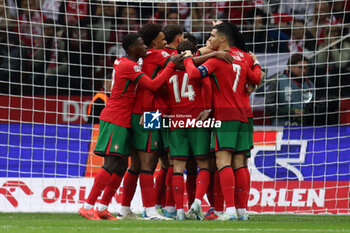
(113, 140)
(231, 136)
(186, 142)
(250, 135)
(146, 140)
(164, 136)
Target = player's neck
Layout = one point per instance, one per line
(224, 47)
(133, 58)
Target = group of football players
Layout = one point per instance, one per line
(165, 73)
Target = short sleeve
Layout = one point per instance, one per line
(132, 71)
(161, 58)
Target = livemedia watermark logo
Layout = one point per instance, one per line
(152, 120)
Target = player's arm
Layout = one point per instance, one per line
(157, 82)
(254, 75)
(206, 97)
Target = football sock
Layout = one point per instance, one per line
(227, 182)
(129, 187)
(111, 188)
(101, 207)
(147, 188)
(169, 201)
(191, 187)
(242, 188)
(218, 195)
(210, 191)
(100, 182)
(202, 183)
(160, 186)
(178, 190)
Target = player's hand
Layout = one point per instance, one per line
(224, 56)
(176, 59)
(187, 53)
(141, 120)
(203, 116)
(216, 22)
(251, 88)
(253, 56)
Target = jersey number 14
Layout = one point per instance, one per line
(186, 90)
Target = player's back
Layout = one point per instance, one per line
(152, 63)
(184, 94)
(228, 82)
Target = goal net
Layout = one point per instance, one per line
(56, 55)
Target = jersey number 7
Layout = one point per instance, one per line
(237, 70)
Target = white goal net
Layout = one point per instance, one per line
(56, 55)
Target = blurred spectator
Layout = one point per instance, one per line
(173, 17)
(237, 11)
(105, 36)
(78, 15)
(99, 102)
(129, 21)
(29, 26)
(288, 95)
(51, 9)
(333, 63)
(10, 54)
(199, 22)
(298, 9)
(320, 21)
(50, 61)
(301, 38)
(257, 37)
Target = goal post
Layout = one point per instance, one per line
(56, 55)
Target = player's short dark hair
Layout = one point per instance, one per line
(186, 45)
(225, 30)
(237, 37)
(129, 40)
(295, 58)
(190, 37)
(171, 31)
(149, 32)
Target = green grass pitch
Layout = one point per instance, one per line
(66, 223)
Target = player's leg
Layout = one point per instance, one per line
(242, 185)
(129, 185)
(224, 141)
(239, 164)
(191, 176)
(119, 137)
(179, 152)
(199, 143)
(119, 166)
(178, 183)
(160, 181)
(210, 191)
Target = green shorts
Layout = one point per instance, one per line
(143, 139)
(186, 142)
(231, 136)
(164, 136)
(113, 140)
(250, 135)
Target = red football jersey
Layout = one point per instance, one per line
(118, 109)
(154, 61)
(185, 96)
(248, 59)
(228, 83)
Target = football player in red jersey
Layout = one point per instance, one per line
(228, 81)
(115, 121)
(186, 102)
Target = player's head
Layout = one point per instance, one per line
(237, 37)
(153, 35)
(297, 65)
(173, 34)
(134, 46)
(186, 45)
(190, 37)
(220, 36)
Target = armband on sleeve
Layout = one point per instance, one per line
(203, 70)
